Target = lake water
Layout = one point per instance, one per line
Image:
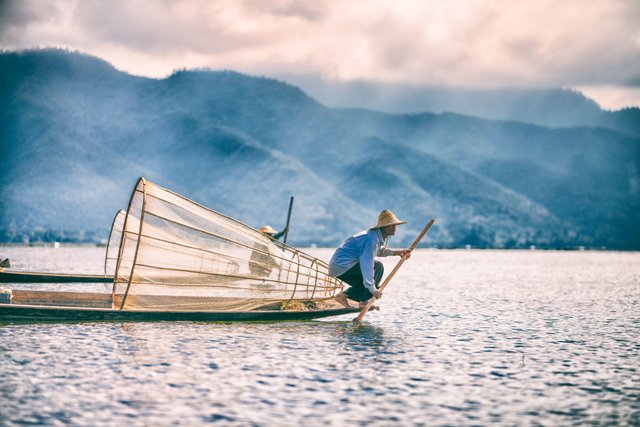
(463, 337)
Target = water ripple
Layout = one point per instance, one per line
(463, 337)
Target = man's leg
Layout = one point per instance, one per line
(356, 291)
(378, 271)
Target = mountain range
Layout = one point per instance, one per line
(551, 107)
(75, 134)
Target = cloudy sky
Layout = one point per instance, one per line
(591, 45)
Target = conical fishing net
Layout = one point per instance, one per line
(177, 255)
(113, 244)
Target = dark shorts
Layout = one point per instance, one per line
(353, 277)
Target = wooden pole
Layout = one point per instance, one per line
(395, 270)
(288, 220)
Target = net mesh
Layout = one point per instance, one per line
(177, 255)
(113, 244)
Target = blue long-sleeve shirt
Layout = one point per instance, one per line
(360, 248)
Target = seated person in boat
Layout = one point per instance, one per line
(261, 263)
(272, 232)
(353, 262)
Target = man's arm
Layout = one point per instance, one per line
(366, 254)
(402, 253)
(279, 234)
(395, 252)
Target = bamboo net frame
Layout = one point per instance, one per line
(178, 255)
(113, 243)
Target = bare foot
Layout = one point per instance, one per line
(342, 299)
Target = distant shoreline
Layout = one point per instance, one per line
(53, 245)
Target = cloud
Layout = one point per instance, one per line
(514, 43)
(18, 18)
(458, 42)
(304, 9)
(21, 13)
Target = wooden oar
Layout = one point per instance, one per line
(395, 270)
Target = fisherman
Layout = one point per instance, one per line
(261, 263)
(353, 262)
(272, 232)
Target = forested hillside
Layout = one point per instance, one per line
(75, 134)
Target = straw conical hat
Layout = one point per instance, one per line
(387, 218)
(267, 229)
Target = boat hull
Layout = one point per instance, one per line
(15, 313)
(14, 276)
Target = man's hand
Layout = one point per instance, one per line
(377, 294)
(404, 253)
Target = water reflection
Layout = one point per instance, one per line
(364, 337)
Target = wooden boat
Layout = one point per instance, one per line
(177, 260)
(43, 306)
(30, 314)
(17, 276)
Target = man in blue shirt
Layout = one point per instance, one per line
(353, 262)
